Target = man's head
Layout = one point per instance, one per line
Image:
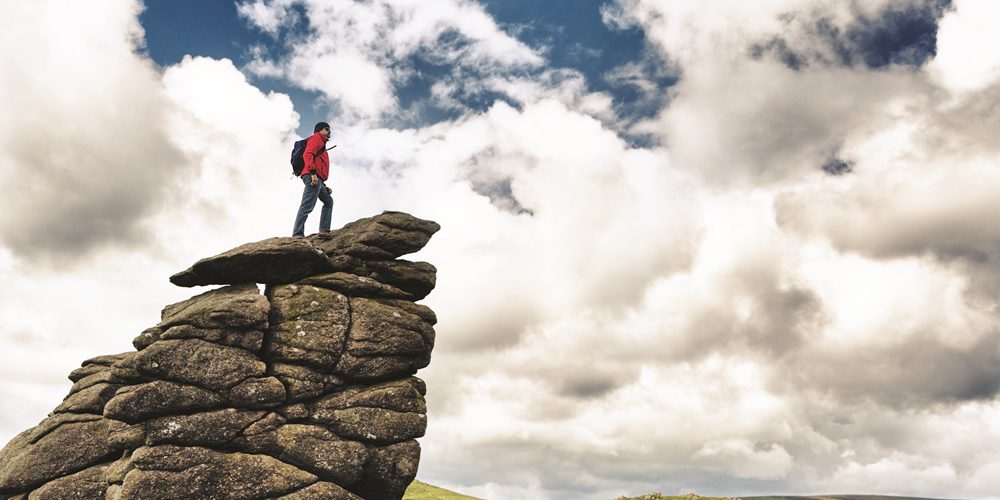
(323, 128)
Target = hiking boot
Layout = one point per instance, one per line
(324, 235)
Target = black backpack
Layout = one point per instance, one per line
(298, 156)
(298, 161)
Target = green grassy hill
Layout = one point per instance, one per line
(424, 491)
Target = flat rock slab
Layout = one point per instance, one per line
(415, 278)
(322, 452)
(381, 329)
(303, 383)
(386, 236)
(286, 260)
(251, 340)
(60, 445)
(261, 392)
(191, 361)
(88, 484)
(375, 368)
(321, 491)
(102, 377)
(234, 306)
(309, 325)
(376, 425)
(356, 286)
(89, 400)
(389, 471)
(274, 260)
(385, 341)
(213, 428)
(180, 473)
(401, 395)
(139, 402)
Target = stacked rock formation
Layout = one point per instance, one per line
(304, 392)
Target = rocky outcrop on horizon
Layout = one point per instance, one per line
(306, 391)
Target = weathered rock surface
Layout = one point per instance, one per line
(61, 445)
(175, 473)
(274, 260)
(416, 278)
(383, 237)
(303, 392)
(136, 403)
(234, 315)
(321, 491)
(87, 484)
(309, 326)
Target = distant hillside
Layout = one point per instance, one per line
(839, 497)
(424, 491)
(655, 496)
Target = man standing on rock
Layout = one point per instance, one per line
(314, 176)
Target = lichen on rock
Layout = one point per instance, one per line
(302, 392)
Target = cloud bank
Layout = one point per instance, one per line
(709, 311)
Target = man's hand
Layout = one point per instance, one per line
(315, 180)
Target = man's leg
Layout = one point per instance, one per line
(309, 194)
(326, 213)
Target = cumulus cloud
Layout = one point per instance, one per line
(358, 54)
(269, 17)
(137, 174)
(967, 48)
(713, 312)
(83, 152)
(844, 345)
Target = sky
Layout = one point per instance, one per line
(720, 246)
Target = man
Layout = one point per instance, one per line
(314, 176)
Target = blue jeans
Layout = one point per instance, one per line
(309, 196)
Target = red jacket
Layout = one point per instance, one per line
(318, 163)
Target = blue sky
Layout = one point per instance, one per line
(724, 246)
(571, 34)
(212, 28)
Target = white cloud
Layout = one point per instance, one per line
(968, 46)
(722, 32)
(83, 154)
(712, 314)
(269, 16)
(742, 459)
(358, 53)
(192, 152)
